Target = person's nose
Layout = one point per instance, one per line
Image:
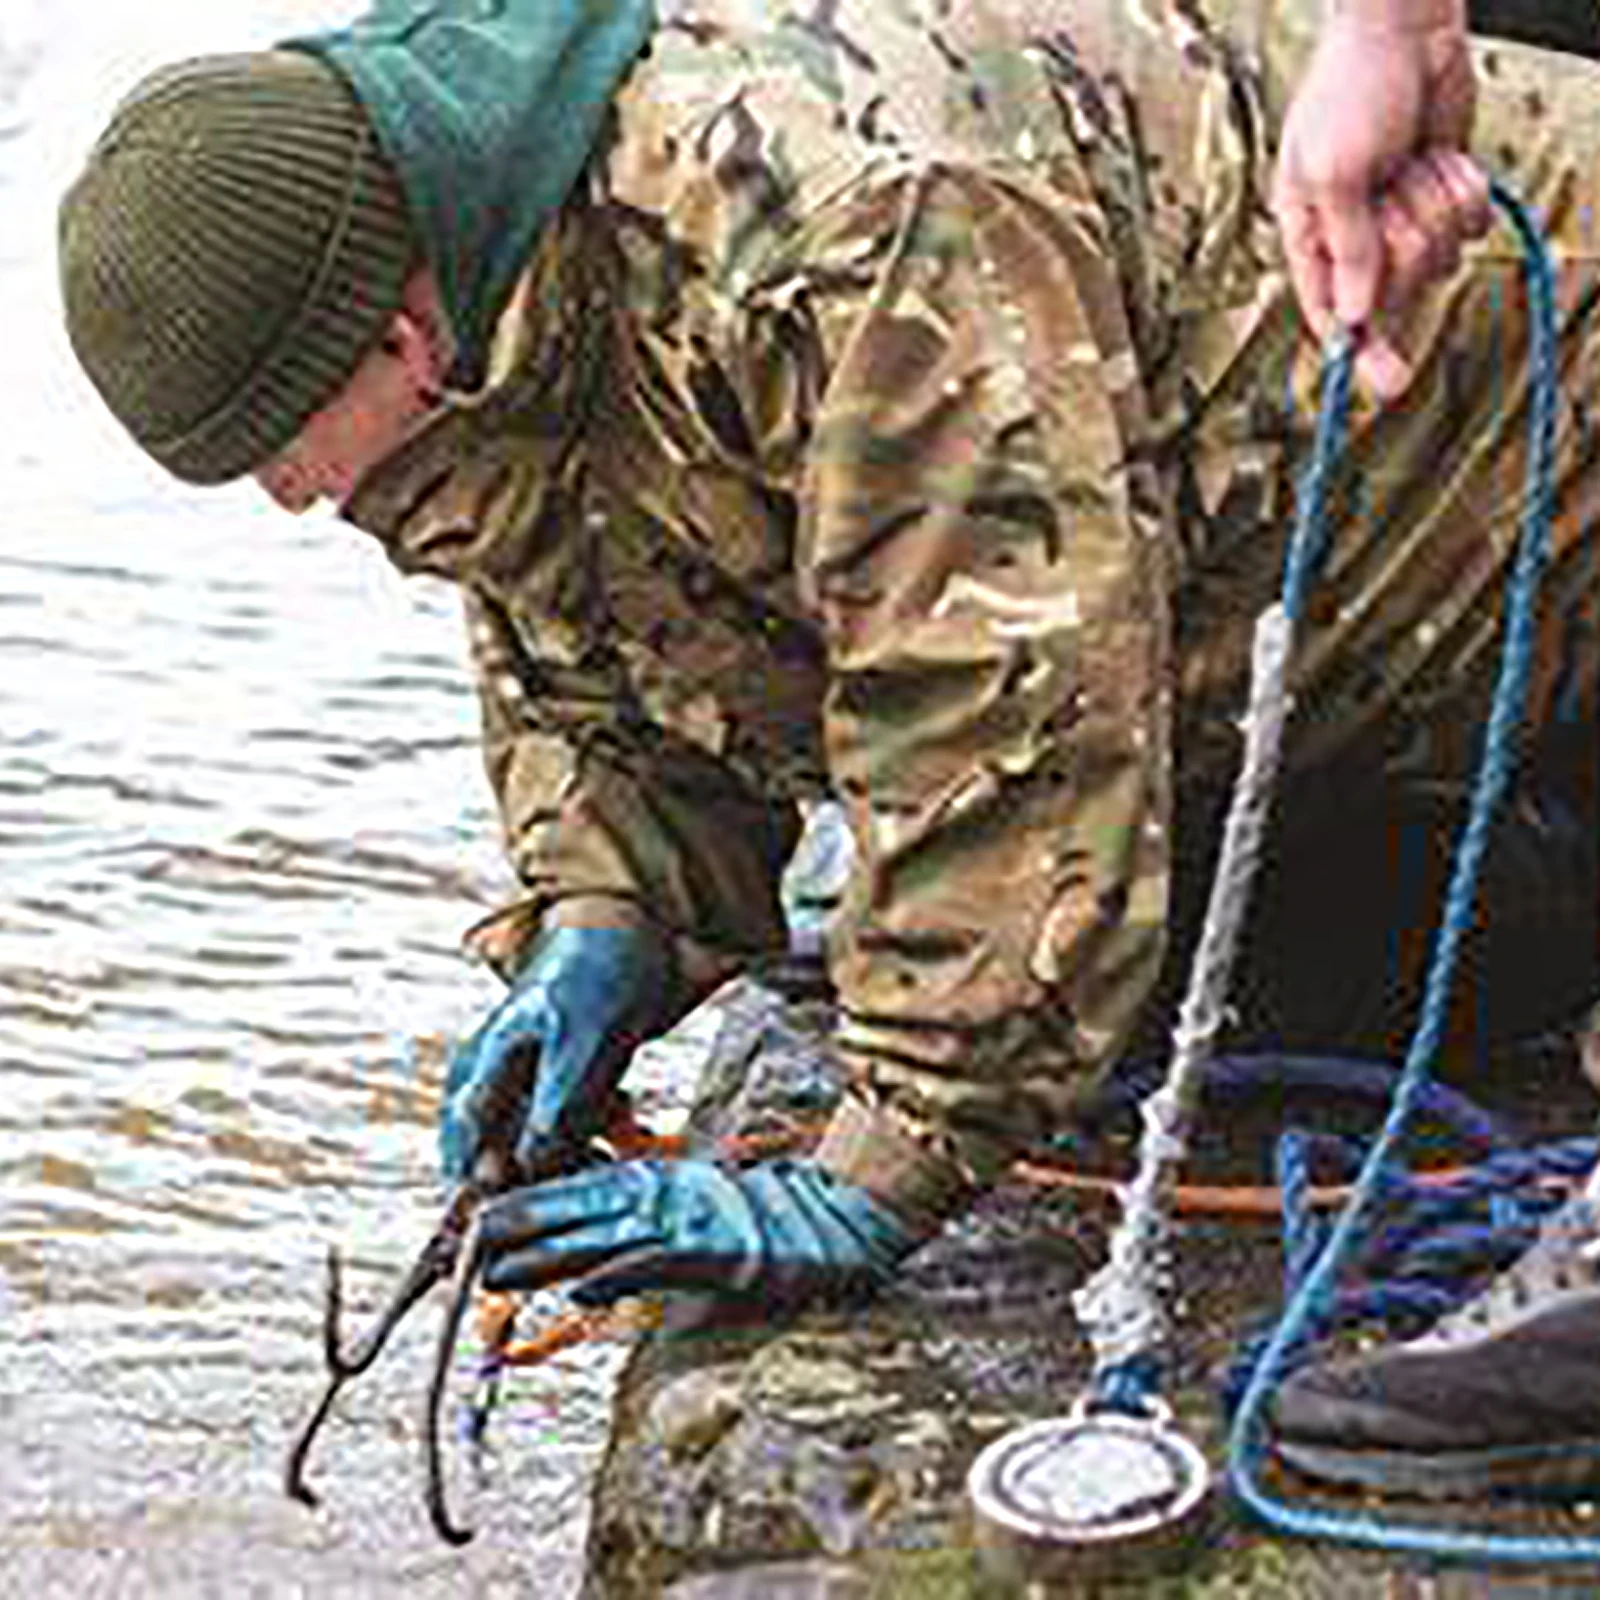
(286, 486)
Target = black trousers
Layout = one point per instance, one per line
(1550, 24)
(1349, 899)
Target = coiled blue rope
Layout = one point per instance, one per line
(1248, 1442)
(1341, 1076)
(1439, 1247)
(1437, 1243)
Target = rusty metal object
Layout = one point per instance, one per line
(435, 1262)
(450, 1253)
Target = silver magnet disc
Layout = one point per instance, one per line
(1094, 1492)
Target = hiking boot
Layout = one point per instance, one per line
(1500, 1397)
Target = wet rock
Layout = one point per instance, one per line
(783, 1580)
(688, 1415)
(841, 1436)
(828, 1459)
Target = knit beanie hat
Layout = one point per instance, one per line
(234, 246)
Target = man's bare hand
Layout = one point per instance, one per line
(1374, 193)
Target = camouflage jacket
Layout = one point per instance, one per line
(907, 406)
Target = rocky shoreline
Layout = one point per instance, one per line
(828, 1460)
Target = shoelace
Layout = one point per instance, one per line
(1566, 1256)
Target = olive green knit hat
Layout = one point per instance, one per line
(234, 246)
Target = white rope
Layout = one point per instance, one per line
(1122, 1307)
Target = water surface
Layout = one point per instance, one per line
(242, 826)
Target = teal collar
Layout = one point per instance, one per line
(488, 110)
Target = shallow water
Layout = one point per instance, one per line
(242, 826)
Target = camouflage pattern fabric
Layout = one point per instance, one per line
(910, 404)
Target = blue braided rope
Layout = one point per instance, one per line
(1438, 1242)
(1129, 1386)
(1247, 1444)
(1309, 540)
(1335, 1075)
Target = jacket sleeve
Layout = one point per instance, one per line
(990, 560)
(599, 800)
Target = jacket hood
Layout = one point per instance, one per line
(488, 110)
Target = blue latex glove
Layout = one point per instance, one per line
(783, 1234)
(581, 1003)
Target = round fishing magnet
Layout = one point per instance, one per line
(1094, 1495)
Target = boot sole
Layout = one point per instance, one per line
(1562, 1472)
